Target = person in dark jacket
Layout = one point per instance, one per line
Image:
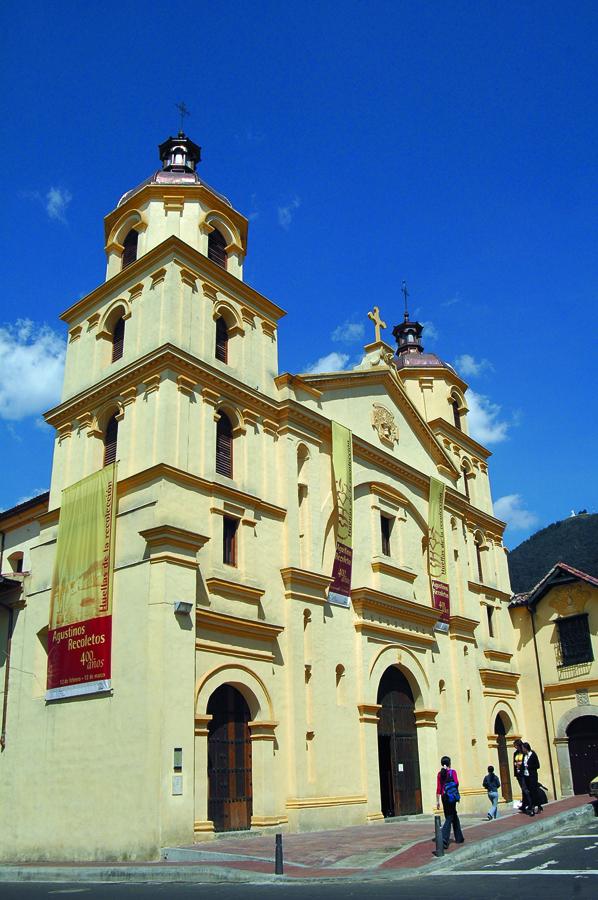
(446, 781)
(531, 764)
(492, 784)
(518, 772)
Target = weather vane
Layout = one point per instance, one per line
(183, 111)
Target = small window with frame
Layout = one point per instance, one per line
(229, 540)
(385, 532)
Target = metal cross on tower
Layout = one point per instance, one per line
(405, 294)
(183, 111)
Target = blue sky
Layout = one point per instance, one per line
(451, 144)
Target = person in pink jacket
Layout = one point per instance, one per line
(447, 784)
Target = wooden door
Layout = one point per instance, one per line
(504, 763)
(229, 761)
(398, 756)
(583, 752)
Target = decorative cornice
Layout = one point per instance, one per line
(303, 585)
(369, 712)
(367, 599)
(498, 656)
(426, 718)
(237, 626)
(443, 426)
(476, 588)
(234, 590)
(296, 383)
(563, 688)
(171, 536)
(494, 678)
(388, 568)
(393, 634)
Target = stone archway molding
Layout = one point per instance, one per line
(409, 664)
(244, 680)
(561, 742)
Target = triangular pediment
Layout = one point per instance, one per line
(373, 404)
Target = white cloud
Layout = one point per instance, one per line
(285, 213)
(348, 332)
(483, 419)
(333, 362)
(468, 365)
(34, 493)
(31, 368)
(452, 300)
(57, 200)
(511, 510)
(430, 333)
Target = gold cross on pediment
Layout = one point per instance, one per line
(378, 323)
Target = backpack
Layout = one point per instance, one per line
(451, 791)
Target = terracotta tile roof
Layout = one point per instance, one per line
(528, 598)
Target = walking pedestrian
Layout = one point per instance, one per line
(518, 771)
(447, 790)
(531, 764)
(492, 784)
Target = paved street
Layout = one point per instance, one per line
(561, 866)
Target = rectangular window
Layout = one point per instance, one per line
(575, 640)
(385, 530)
(490, 614)
(229, 541)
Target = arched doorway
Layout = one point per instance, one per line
(398, 758)
(229, 761)
(500, 730)
(583, 752)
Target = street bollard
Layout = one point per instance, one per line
(278, 862)
(438, 835)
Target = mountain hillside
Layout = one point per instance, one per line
(573, 541)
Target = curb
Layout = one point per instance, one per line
(521, 833)
(197, 874)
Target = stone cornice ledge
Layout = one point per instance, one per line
(162, 536)
(380, 564)
(476, 588)
(366, 598)
(303, 585)
(234, 590)
(237, 626)
(496, 679)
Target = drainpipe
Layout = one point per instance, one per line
(2, 539)
(541, 687)
(11, 614)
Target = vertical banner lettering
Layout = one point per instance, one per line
(342, 472)
(437, 551)
(80, 628)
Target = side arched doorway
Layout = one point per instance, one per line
(583, 752)
(500, 730)
(229, 760)
(398, 758)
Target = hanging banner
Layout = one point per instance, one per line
(342, 472)
(80, 628)
(437, 551)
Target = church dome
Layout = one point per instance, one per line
(179, 157)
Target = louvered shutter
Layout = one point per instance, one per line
(217, 248)
(224, 446)
(118, 340)
(110, 441)
(221, 340)
(130, 248)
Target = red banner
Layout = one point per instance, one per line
(80, 653)
(441, 599)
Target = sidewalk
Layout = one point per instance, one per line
(383, 850)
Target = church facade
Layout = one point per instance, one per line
(240, 695)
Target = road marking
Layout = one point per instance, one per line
(524, 853)
(572, 837)
(516, 872)
(544, 865)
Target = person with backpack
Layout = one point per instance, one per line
(492, 784)
(531, 764)
(447, 790)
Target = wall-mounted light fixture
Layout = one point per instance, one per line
(182, 607)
